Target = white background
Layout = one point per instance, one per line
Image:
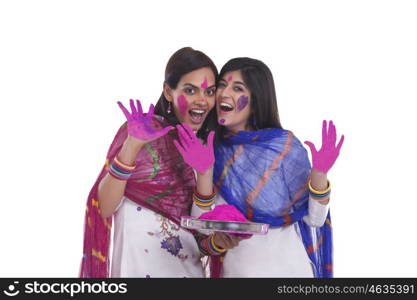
(64, 64)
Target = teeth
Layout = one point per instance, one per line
(198, 111)
(226, 105)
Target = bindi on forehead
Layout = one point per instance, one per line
(204, 85)
(230, 78)
(242, 102)
(182, 104)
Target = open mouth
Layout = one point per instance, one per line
(197, 115)
(226, 107)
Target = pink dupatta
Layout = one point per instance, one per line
(161, 182)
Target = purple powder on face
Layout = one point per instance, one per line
(242, 102)
(204, 84)
(222, 121)
(230, 78)
(182, 104)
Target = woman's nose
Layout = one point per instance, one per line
(223, 93)
(201, 98)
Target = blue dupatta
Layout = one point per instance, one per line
(264, 174)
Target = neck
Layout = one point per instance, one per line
(240, 127)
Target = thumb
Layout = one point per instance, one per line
(210, 139)
(311, 146)
(164, 131)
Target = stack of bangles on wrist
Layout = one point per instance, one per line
(208, 247)
(120, 170)
(319, 194)
(203, 202)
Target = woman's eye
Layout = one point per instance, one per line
(211, 92)
(238, 89)
(221, 84)
(189, 91)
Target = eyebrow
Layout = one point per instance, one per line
(238, 82)
(192, 85)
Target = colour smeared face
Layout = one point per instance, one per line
(233, 102)
(194, 97)
(242, 102)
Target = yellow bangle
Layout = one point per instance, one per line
(128, 167)
(329, 187)
(221, 250)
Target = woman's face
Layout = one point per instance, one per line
(194, 97)
(233, 102)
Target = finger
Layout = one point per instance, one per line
(180, 148)
(184, 138)
(231, 240)
(124, 110)
(324, 133)
(234, 240)
(222, 240)
(164, 131)
(332, 134)
(311, 146)
(339, 145)
(133, 108)
(189, 131)
(210, 139)
(243, 236)
(150, 112)
(140, 110)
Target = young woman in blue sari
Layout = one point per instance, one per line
(264, 171)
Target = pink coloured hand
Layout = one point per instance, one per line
(140, 125)
(195, 154)
(324, 159)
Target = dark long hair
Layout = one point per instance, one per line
(258, 78)
(184, 61)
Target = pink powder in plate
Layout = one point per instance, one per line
(226, 212)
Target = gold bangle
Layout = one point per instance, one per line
(129, 167)
(215, 247)
(329, 187)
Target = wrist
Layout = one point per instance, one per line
(206, 173)
(134, 143)
(318, 179)
(129, 151)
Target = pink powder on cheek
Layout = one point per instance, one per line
(222, 121)
(242, 102)
(182, 104)
(204, 85)
(230, 78)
